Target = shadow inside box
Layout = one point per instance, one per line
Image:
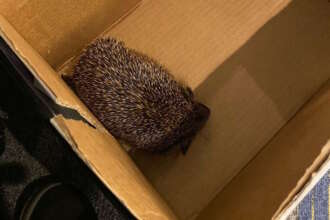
(44, 144)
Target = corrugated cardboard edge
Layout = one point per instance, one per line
(311, 175)
(316, 177)
(126, 181)
(118, 171)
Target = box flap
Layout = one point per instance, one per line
(115, 169)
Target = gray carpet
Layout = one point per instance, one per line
(31, 148)
(315, 204)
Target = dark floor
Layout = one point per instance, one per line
(32, 149)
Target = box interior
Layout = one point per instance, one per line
(254, 73)
(259, 189)
(58, 30)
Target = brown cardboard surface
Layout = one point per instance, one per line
(111, 164)
(251, 96)
(96, 147)
(59, 29)
(252, 93)
(260, 188)
(192, 37)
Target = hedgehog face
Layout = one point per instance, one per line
(190, 127)
(201, 114)
(193, 123)
(195, 116)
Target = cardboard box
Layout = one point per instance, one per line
(259, 65)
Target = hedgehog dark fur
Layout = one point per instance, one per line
(136, 98)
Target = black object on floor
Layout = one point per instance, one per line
(50, 199)
(34, 149)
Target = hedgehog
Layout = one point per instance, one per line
(137, 100)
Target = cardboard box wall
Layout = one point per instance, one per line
(254, 148)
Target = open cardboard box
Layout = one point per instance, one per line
(262, 67)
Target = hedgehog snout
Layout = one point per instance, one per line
(201, 112)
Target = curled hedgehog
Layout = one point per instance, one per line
(136, 98)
